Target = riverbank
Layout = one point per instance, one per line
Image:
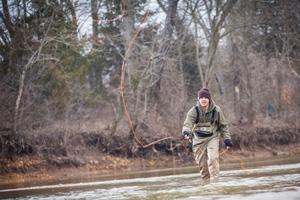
(41, 173)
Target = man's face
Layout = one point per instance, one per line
(204, 101)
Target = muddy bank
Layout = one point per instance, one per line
(49, 174)
(249, 143)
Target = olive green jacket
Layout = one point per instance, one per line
(219, 125)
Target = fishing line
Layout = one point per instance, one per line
(122, 92)
(122, 89)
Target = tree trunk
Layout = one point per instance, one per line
(128, 33)
(163, 50)
(95, 71)
(20, 91)
(249, 97)
(201, 74)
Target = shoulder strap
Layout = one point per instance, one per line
(197, 119)
(213, 116)
(211, 119)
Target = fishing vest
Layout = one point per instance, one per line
(204, 129)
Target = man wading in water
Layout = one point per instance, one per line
(203, 126)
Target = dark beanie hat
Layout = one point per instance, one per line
(204, 92)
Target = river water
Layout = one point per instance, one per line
(276, 178)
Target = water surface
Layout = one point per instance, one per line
(263, 179)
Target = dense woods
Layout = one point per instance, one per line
(82, 76)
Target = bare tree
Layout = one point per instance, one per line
(260, 48)
(164, 48)
(211, 16)
(34, 58)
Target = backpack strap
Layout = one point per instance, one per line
(213, 116)
(197, 119)
(211, 119)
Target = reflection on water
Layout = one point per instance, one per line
(257, 182)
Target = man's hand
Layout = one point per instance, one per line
(186, 136)
(228, 143)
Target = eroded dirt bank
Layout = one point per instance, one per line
(249, 143)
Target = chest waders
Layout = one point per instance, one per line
(206, 147)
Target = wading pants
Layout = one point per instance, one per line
(207, 157)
